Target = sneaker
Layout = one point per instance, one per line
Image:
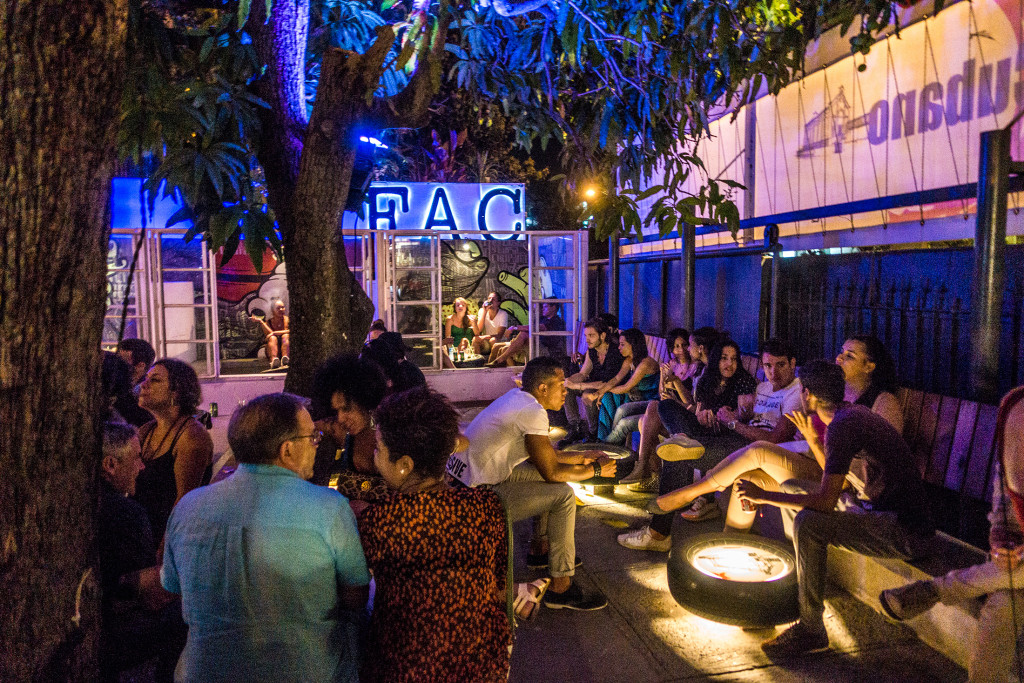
(540, 560)
(701, 509)
(794, 642)
(275, 364)
(680, 447)
(648, 485)
(284, 361)
(575, 598)
(641, 539)
(906, 602)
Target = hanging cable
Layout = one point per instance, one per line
(949, 134)
(840, 133)
(785, 159)
(764, 165)
(871, 149)
(904, 133)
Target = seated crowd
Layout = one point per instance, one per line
(266, 574)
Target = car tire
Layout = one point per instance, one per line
(748, 603)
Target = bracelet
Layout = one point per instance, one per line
(597, 468)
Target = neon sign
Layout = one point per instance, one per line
(487, 208)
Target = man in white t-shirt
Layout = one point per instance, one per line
(779, 395)
(490, 324)
(510, 451)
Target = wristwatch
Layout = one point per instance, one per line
(732, 425)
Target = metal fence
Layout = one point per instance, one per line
(924, 326)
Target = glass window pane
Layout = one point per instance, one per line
(413, 252)
(120, 250)
(422, 353)
(556, 251)
(242, 291)
(414, 285)
(555, 328)
(553, 284)
(176, 253)
(416, 319)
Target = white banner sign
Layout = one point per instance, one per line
(906, 117)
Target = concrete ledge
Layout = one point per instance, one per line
(950, 629)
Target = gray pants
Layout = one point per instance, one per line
(875, 534)
(994, 654)
(526, 494)
(572, 410)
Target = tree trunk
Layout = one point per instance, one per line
(328, 310)
(61, 64)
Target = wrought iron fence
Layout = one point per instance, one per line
(926, 328)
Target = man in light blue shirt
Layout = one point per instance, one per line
(267, 563)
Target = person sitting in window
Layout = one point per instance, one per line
(505, 352)
(275, 330)
(388, 351)
(490, 324)
(623, 398)
(458, 330)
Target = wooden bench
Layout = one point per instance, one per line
(953, 445)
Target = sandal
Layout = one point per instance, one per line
(528, 597)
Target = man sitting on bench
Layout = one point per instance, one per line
(994, 655)
(892, 521)
(510, 451)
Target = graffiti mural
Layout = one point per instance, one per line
(473, 268)
(241, 292)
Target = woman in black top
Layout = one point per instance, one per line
(176, 448)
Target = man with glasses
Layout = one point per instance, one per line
(268, 564)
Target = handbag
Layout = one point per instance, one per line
(369, 488)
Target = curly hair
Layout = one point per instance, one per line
(419, 423)
(359, 380)
(184, 383)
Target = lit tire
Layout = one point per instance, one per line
(736, 579)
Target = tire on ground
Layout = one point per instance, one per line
(740, 603)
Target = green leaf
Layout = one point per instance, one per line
(243, 12)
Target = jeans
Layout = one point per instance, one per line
(526, 494)
(871, 533)
(624, 423)
(572, 410)
(994, 654)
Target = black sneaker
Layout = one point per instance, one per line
(575, 598)
(540, 561)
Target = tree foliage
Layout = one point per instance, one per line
(625, 87)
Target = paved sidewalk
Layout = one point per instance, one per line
(644, 635)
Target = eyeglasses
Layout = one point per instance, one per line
(314, 438)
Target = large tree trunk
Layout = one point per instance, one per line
(328, 310)
(61, 64)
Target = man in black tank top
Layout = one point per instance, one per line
(602, 363)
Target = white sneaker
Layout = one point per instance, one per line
(275, 364)
(641, 539)
(701, 509)
(680, 447)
